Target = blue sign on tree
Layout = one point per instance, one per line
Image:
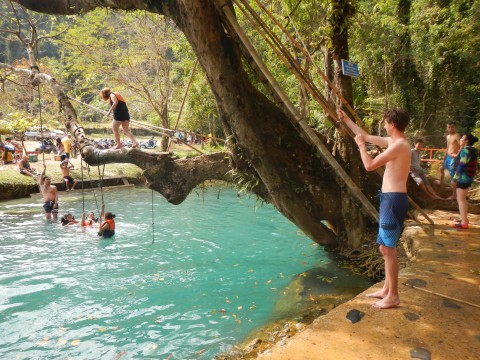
(349, 68)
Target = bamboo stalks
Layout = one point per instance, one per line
(442, 295)
(292, 64)
(307, 131)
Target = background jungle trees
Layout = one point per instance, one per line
(421, 55)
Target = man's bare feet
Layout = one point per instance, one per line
(386, 303)
(377, 294)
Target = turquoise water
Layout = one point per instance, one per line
(218, 266)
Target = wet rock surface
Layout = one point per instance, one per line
(411, 316)
(355, 315)
(420, 353)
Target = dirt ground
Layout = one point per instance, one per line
(439, 314)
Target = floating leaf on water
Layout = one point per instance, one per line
(200, 352)
(236, 265)
(120, 354)
(159, 319)
(61, 342)
(75, 342)
(62, 329)
(43, 342)
(240, 307)
(153, 346)
(281, 275)
(102, 329)
(91, 317)
(268, 282)
(273, 289)
(253, 307)
(325, 278)
(234, 316)
(114, 328)
(250, 270)
(238, 321)
(222, 310)
(228, 301)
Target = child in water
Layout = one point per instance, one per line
(88, 220)
(107, 227)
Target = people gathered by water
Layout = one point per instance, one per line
(88, 219)
(464, 176)
(121, 116)
(107, 225)
(393, 197)
(25, 167)
(450, 158)
(50, 196)
(418, 174)
(70, 182)
(68, 219)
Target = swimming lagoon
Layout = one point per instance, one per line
(179, 282)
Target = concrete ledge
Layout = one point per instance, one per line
(438, 319)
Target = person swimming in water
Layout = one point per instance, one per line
(68, 219)
(88, 219)
(107, 226)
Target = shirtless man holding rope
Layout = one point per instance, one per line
(393, 197)
(50, 196)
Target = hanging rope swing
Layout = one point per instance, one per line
(153, 222)
(41, 126)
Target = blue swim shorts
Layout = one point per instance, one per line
(393, 211)
(450, 164)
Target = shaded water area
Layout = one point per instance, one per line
(215, 268)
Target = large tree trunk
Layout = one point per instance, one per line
(266, 146)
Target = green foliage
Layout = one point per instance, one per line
(422, 55)
(437, 46)
(16, 121)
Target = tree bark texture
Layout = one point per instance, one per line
(266, 145)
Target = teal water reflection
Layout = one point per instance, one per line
(216, 269)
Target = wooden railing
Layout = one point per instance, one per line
(432, 152)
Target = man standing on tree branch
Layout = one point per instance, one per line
(393, 200)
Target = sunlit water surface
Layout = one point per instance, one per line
(214, 268)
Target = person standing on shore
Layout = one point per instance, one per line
(418, 174)
(464, 176)
(451, 152)
(67, 145)
(394, 199)
(50, 196)
(121, 116)
(70, 182)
